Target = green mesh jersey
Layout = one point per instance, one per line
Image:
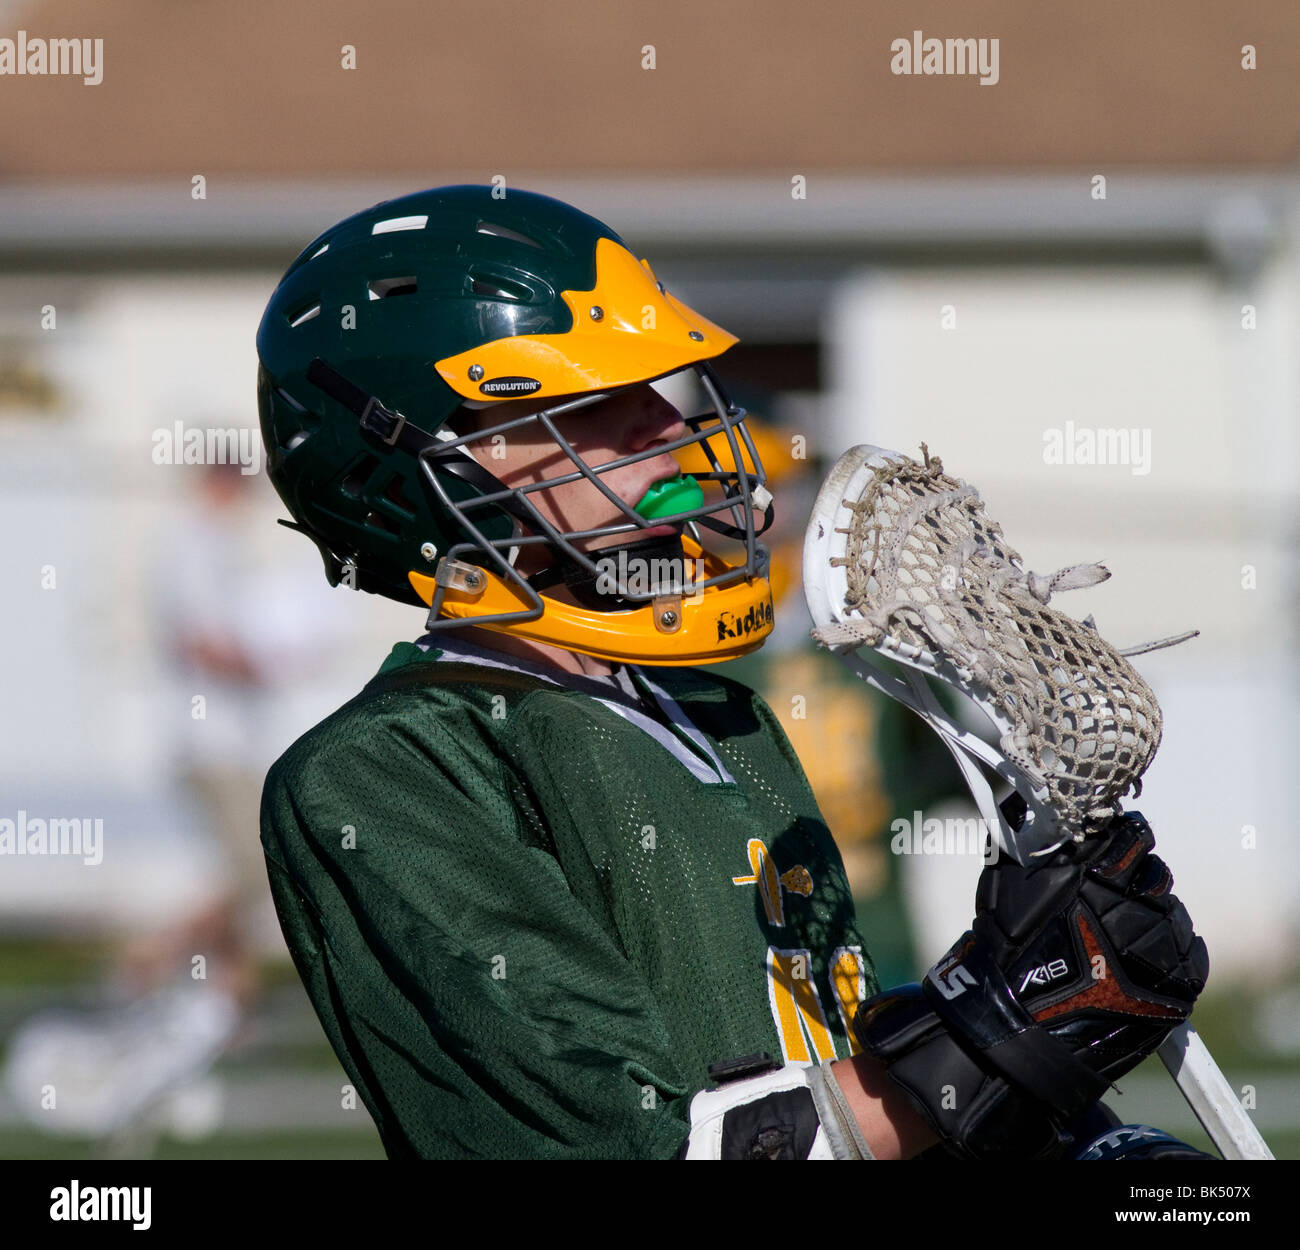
(530, 913)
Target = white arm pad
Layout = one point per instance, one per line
(793, 1113)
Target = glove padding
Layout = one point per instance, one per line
(1136, 1142)
(1077, 967)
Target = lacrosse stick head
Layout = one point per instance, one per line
(901, 561)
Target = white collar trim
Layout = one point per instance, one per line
(710, 769)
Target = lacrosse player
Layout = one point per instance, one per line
(556, 888)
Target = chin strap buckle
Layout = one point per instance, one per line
(382, 422)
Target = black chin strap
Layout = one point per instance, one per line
(375, 418)
(395, 430)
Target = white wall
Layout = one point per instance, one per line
(94, 710)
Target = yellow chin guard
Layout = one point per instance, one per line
(721, 623)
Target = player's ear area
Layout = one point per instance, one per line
(471, 419)
(483, 420)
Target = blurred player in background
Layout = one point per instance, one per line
(238, 632)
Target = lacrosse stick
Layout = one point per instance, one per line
(901, 561)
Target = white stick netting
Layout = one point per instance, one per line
(931, 581)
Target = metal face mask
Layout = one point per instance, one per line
(658, 599)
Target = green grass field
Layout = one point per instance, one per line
(279, 1088)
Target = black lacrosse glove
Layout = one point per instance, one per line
(1132, 1143)
(1077, 967)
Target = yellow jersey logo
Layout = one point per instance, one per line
(771, 884)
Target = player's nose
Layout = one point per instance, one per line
(651, 420)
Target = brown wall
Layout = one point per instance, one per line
(255, 89)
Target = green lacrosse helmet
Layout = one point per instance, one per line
(391, 321)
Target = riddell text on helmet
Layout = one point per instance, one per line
(732, 626)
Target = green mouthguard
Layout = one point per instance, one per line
(675, 494)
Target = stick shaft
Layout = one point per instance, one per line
(1209, 1095)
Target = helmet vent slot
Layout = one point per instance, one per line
(376, 521)
(394, 224)
(354, 484)
(397, 497)
(304, 313)
(504, 232)
(494, 287)
(386, 288)
(289, 399)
